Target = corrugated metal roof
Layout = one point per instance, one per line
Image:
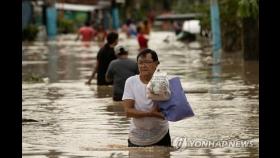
(81, 2)
(188, 16)
(76, 7)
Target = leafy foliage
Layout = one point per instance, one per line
(65, 26)
(232, 13)
(248, 8)
(32, 78)
(30, 33)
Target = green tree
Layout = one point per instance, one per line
(231, 26)
(248, 8)
(233, 13)
(249, 12)
(30, 33)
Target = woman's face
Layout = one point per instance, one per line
(146, 65)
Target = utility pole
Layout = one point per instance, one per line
(216, 32)
(51, 15)
(216, 49)
(115, 15)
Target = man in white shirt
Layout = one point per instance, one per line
(148, 126)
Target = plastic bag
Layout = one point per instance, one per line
(177, 107)
(158, 88)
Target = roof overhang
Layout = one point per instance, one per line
(189, 16)
(76, 7)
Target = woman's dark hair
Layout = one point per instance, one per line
(87, 23)
(122, 52)
(139, 29)
(146, 22)
(112, 37)
(146, 51)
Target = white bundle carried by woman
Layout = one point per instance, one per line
(158, 87)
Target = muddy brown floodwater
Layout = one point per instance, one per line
(64, 118)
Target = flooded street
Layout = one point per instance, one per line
(64, 118)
